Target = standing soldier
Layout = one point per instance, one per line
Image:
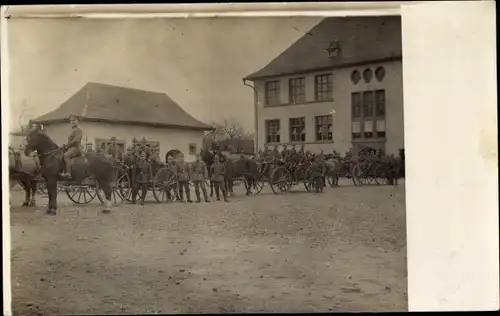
(276, 152)
(217, 170)
(73, 147)
(183, 179)
(89, 148)
(318, 171)
(285, 153)
(128, 158)
(199, 173)
(113, 150)
(143, 174)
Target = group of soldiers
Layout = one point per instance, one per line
(197, 172)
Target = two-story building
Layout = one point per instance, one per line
(339, 86)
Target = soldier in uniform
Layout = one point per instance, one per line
(143, 174)
(285, 153)
(218, 170)
(129, 158)
(276, 152)
(183, 178)
(73, 147)
(317, 176)
(114, 151)
(199, 173)
(89, 148)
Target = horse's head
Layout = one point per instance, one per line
(39, 141)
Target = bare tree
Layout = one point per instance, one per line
(228, 128)
(231, 132)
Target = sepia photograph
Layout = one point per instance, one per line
(207, 165)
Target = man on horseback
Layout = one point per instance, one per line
(73, 147)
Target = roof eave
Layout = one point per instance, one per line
(113, 121)
(254, 77)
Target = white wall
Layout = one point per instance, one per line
(168, 138)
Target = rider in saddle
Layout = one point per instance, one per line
(73, 147)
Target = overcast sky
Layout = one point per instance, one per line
(199, 63)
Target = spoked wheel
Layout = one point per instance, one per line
(165, 186)
(280, 180)
(381, 176)
(120, 187)
(356, 176)
(364, 175)
(257, 187)
(42, 188)
(307, 179)
(81, 194)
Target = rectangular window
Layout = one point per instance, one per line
(368, 104)
(368, 114)
(380, 103)
(298, 129)
(192, 149)
(272, 131)
(368, 128)
(356, 104)
(356, 130)
(380, 129)
(272, 92)
(297, 90)
(323, 87)
(324, 128)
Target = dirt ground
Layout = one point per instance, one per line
(343, 250)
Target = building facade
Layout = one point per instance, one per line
(128, 115)
(324, 93)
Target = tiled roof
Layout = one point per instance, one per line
(103, 102)
(361, 39)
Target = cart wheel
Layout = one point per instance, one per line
(165, 186)
(81, 194)
(356, 175)
(381, 176)
(257, 186)
(121, 188)
(42, 188)
(308, 183)
(280, 180)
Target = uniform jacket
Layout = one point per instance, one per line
(75, 138)
(218, 170)
(182, 171)
(114, 151)
(318, 169)
(144, 173)
(199, 171)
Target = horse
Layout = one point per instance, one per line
(24, 170)
(249, 170)
(86, 164)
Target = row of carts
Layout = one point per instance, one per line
(280, 176)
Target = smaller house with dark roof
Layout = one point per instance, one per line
(338, 87)
(129, 115)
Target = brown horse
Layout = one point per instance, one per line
(51, 162)
(24, 170)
